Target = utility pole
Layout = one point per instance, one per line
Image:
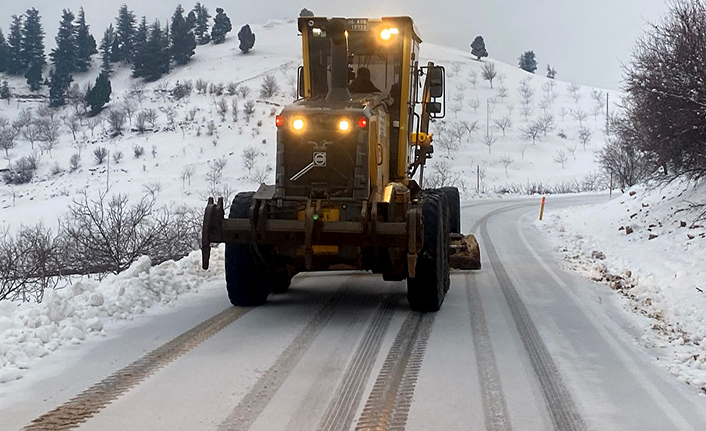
(607, 113)
(487, 119)
(107, 177)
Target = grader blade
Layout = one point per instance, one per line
(465, 252)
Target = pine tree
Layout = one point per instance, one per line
(182, 37)
(107, 50)
(85, 43)
(124, 35)
(157, 52)
(5, 91)
(141, 55)
(34, 77)
(528, 62)
(63, 57)
(99, 94)
(221, 26)
(201, 28)
(15, 60)
(4, 52)
(247, 39)
(166, 47)
(478, 48)
(33, 39)
(59, 82)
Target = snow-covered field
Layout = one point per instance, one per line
(29, 331)
(649, 246)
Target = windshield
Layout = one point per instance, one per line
(375, 64)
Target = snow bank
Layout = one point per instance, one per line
(646, 245)
(30, 331)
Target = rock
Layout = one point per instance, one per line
(645, 205)
(652, 236)
(690, 236)
(682, 224)
(628, 230)
(598, 255)
(632, 193)
(621, 228)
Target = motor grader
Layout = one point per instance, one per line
(345, 195)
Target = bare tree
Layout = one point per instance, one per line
(141, 122)
(526, 111)
(598, 96)
(546, 123)
(151, 115)
(269, 87)
(250, 156)
(153, 189)
(93, 122)
(488, 141)
(72, 124)
(7, 139)
(526, 92)
(575, 91)
(572, 149)
(470, 126)
(625, 162)
(475, 104)
(584, 136)
(563, 112)
(137, 91)
(506, 161)
(523, 149)
(117, 157)
(596, 111)
(243, 91)
(503, 124)
(456, 108)
(215, 172)
(186, 173)
(116, 121)
(473, 78)
(502, 93)
(249, 110)
(489, 73)
(211, 128)
(448, 142)
(100, 154)
(260, 175)
(49, 132)
(561, 158)
(579, 115)
(170, 112)
(129, 107)
(531, 132)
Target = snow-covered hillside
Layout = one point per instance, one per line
(650, 246)
(168, 151)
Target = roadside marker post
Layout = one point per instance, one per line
(541, 210)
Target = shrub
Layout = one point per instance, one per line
(100, 154)
(74, 162)
(138, 151)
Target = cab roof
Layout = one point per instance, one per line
(313, 21)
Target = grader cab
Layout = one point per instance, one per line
(348, 151)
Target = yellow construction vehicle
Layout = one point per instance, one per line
(348, 151)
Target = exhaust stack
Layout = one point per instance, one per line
(339, 62)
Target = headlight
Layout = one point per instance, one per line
(344, 125)
(298, 124)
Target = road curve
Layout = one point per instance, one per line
(519, 345)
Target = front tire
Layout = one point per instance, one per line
(426, 291)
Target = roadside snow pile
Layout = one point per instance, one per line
(650, 246)
(68, 316)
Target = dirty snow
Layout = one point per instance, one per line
(658, 267)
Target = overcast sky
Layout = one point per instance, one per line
(585, 41)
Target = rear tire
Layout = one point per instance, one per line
(426, 291)
(246, 282)
(454, 199)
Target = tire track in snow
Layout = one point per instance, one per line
(256, 400)
(91, 401)
(340, 412)
(495, 410)
(560, 404)
(388, 405)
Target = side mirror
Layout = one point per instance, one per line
(435, 75)
(434, 107)
(300, 82)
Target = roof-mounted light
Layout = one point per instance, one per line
(387, 33)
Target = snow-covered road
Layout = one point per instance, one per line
(519, 345)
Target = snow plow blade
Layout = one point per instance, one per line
(465, 252)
